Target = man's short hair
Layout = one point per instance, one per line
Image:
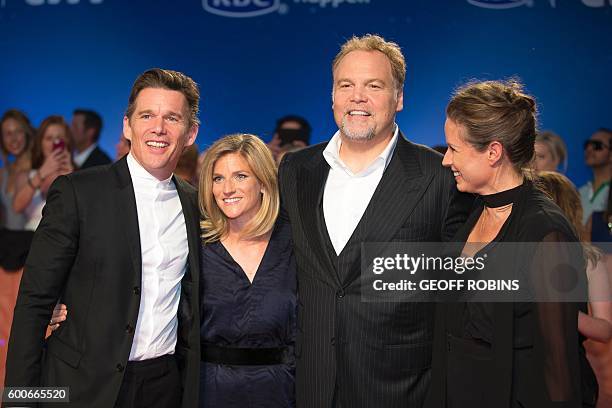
(605, 130)
(373, 42)
(293, 118)
(92, 121)
(171, 80)
(304, 125)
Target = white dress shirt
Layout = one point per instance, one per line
(163, 245)
(80, 158)
(347, 194)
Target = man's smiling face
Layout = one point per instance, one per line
(159, 130)
(365, 97)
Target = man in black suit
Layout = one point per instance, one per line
(367, 184)
(86, 127)
(119, 245)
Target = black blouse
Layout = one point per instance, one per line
(515, 354)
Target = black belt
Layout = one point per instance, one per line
(245, 356)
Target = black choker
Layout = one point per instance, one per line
(502, 198)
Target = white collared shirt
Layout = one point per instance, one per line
(163, 246)
(80, 158)
(593, 200)
(347, 194)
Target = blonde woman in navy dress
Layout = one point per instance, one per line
(248, 282)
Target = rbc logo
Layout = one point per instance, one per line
(240, 8)
(501, 4)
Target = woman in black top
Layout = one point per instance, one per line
(500, 354)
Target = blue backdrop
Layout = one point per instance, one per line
(257, 60)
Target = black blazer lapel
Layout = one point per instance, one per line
(127, 214)
(189, 322)
(312, 178)
(403, 182)
(192, 224)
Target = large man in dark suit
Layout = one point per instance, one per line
(368, 184)
(119, 245)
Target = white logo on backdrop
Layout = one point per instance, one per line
(331, 3)
(254, 8)
(595, 3)
(54, 2)
(500, 4)
(241, 8)
(506, 4)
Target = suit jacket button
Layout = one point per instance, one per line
(340, 293)
(136, 290)
(119, 367)
(129, 329)
(333, 341)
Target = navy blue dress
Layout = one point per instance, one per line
(236, 313)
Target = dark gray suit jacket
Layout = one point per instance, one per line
(364, 354)
(97, 157)
(86, 251)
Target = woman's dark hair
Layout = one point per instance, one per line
(497, 111)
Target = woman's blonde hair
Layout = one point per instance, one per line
(563, 192)
(214, 223)
(555, 145)
(373, 42)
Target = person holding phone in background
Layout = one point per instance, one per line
(51, 157)
(292, 133)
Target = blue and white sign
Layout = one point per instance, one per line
(501, 4)
(241, 8)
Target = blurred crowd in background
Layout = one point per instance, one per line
(33, 157)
